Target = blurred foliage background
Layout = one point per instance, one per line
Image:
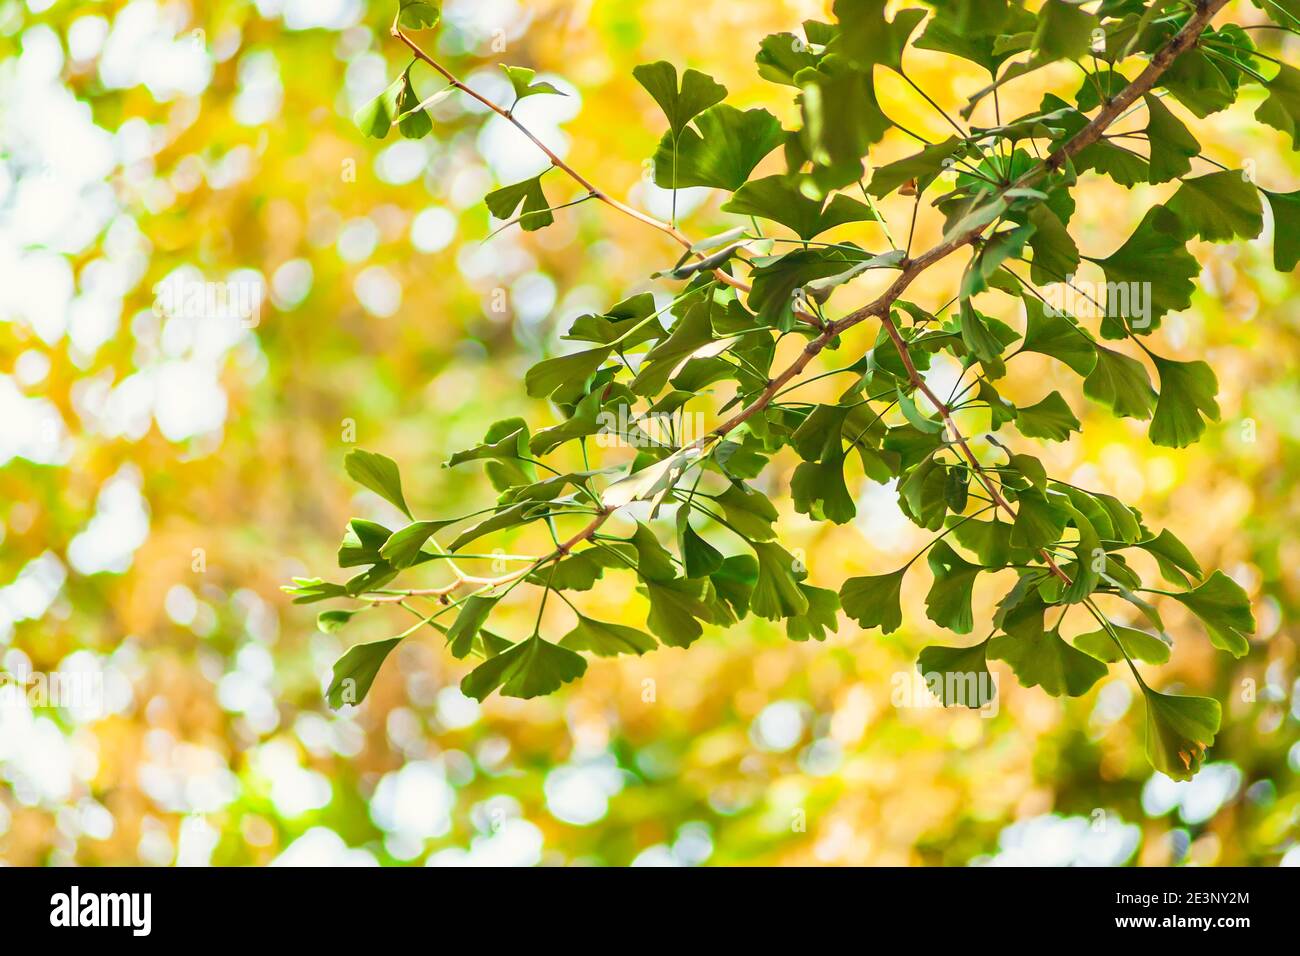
(160, 479)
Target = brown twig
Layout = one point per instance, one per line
(598, 194)
(726, 278)
(957, 437)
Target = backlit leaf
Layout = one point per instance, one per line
(776, 593)
(1045, 660)
(1179, 731)
(378, 473)
(1051, 419)
(355, 671)
(605, 639)
(1172, 146)
(873, 600)
(1149, 275)
(1122, 384)
(728, 145)
(949, 602)
(1140, 645)
(1218, 206)
(958, 676)
(418, 14)
(1187, 392)
(531, 668)
(1224, 609)
(1282, 108)
(680, 103)
(528, 194)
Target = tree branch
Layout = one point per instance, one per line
(666, 228)
(912, 268)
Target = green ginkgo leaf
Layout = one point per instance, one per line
(868, 39)
(528, 194)
(529, 669)
(1039, 521)
(958, 676)
(749, 511)
(327, 622)
(842, 120)
(577, 572)
(362, 543)
(1282, 108)
(1111, 644)
(397, 105)
(1057, 335)
(1285, 13)
(1219, 206)
(413, 119)
(1187, 392)
(1286, 229)
(874, 600)
(949, 602)
(1055, 253)
(782, 55)
(1176, 562)
(418, 14)
(922, 167)
(728, 146)
(1124, 167)
(683, 103)
(312, 590)
(376, 118)
(1179, 731)
(1120, 383)
(676, 609)
(981, 341)
(1044, 660)
(522, 82)
(700, 557)
(734, 581)
(1224, 609)
(1064, 31)
(469, 620)
(923, 494)
(776, 593)
(653, 560)
(379, 474)
(919, 421)
(565, 373)
(403, 548)
(1149, 275)
(780, 199)
(1172, 146)
(1051, 419)
(605, 639)
(355, 671)
(818, 489)
(1197, 81)
(819, 620)
(777, 280)
(505, 451)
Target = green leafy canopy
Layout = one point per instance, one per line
(811, 252)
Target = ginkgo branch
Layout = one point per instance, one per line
(879, 308)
